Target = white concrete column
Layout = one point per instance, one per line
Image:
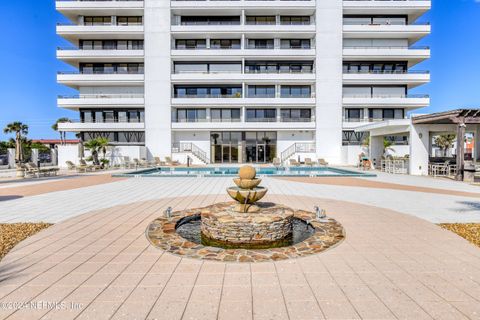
(35, 154)
(329, 79)
(158, 90)
(376, 150)
(419, 149)
(54, 155)
(11, 157)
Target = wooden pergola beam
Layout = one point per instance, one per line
(460, 149)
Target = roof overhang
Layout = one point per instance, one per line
(458, 116)
(388, 127)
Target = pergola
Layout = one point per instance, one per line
(460, 118)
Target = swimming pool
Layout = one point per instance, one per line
(233, 171)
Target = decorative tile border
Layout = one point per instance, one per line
(162, 234)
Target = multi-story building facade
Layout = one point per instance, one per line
(241, 80)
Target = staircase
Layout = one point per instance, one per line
(297, 147)
(188, 147)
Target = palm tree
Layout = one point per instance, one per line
(97, 146)
(19, 129)
(387, 145)
(63, 134)
(445, 141)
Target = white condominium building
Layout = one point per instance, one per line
(236, 81)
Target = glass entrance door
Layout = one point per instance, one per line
(261, 156)
(226, 153)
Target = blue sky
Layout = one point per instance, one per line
(28, 87)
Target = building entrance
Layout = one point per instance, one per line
(243, 147)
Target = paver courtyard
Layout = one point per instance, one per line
(395, 262)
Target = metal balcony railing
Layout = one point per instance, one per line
(102, 96)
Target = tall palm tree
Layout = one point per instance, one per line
(19, 129)
(97, 146)
(63, 134)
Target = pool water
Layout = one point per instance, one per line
(233, 171)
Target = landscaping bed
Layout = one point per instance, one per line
(469, 231)
(13, 233)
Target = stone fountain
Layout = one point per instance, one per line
(247, 222)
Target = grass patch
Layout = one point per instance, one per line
(469, 231)
(12, 233)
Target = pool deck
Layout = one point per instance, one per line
(394, 264)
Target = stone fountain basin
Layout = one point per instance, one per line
(247, 196)
(247, 183)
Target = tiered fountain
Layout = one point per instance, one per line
(245, 230)
(247, 223)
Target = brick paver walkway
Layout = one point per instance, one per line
(391, 266)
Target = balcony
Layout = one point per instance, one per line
(264, 53)
(76, 79)
(74, 32)
(235, 77)
(412, 8)
(101, 126)
(413, 54)
(178, 5)
(258, 125)
(74, 55)
(403, 101)
(74, 8)
(410, 78)
(413, 32)
(101, 101)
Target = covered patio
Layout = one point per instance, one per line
(421, 130)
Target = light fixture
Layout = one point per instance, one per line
(168, 212)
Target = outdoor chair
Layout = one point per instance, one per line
(89, 167)
(322, 162)
(171, 162)
(138, 164)
(32, 169)
(72, 166)
(294, 162)
(309, 162)
(158, 162)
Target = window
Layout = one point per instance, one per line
(350, 137)
(295, 20)
(296, 115)
(295, 43)
(261, 20)
(182, 44)
(261, 91)
(260, 43)
(225, 44)
(261, 115)
(97, 21)
(126, 21)
(204, 92)
(210, 20)
(190, 115)
(353, 115)
(295, 91)
(225, 115)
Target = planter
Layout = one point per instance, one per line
(20, 173)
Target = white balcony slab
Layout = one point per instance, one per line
(208, 126)
(386, 102)
(75, 32)
(251, 30)
(243, 101)
(100, 102)
(413, 9)
(412, 55)
(409, 79)
(76, 56)
(224, 54)
(114, 126)
(77, 80)
(243, 4)
(72, 9)
(236, 77)
(411, 32)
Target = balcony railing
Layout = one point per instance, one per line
(96, 0)
(358, 120)
(261, 120)
(99, 73)
(404, 96)
(386, 72)
(296, 120)
(115, 120)
(98, 49)
(103, 96)
(387, 47)
(207, 96)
